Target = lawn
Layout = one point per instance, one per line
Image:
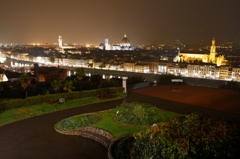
(117, 129)
(17, 114)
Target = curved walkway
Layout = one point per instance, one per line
(36, 138)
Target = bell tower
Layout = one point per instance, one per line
(60, 41)
(60, 44)
(213, 51)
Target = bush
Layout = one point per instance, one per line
(165, 79)
(135, 79)
(52, 98)
(121, 149)
(105, 93)
(192, 136)
(137, 114)
(108, 83)
(232, 85)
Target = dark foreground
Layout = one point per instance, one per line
(36, 138)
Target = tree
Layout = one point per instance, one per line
(80, 73)
(1, 88)
(165, 79)
(56, 84)
(135, 79)
(52, 59)
(232, 85)
(68, 86)
(24, 79)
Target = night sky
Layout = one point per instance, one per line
(144, 21)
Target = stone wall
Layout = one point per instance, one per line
(100, 132)
(99, 135)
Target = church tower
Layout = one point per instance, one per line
(60, 43)
(107, 45)
(212, 52)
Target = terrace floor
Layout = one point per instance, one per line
(36, 138)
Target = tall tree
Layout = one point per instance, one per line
(56, 84)
(52, 59)
(68, 86)
(24, 79)
(80, 73)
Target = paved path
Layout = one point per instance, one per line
(35, 138)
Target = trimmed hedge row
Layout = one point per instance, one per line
(52, 98)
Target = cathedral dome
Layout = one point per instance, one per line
(101, 45)
(125, 40)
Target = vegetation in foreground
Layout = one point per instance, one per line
(231, 85)
(137, 114)
(116, 128)
(165, 79)
(188, 137)
(77, 122)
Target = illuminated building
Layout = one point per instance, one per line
(3, 77)
(60, 43)
(129, 66)
(101, 46)
(124, 45)
(61, 46)
(107, 45)
(212, 57)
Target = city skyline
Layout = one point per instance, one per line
(154, 21)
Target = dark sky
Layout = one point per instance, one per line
(144, 21)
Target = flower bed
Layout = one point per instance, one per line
(77, 122)
(137, 114)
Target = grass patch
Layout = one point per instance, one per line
(16, 114)
(118, 130)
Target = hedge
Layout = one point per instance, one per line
(51, 98)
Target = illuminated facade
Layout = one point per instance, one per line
(124, 45)
(129, 66)
(212, 57)
(61, 46)
(107, 45)
(3, 78)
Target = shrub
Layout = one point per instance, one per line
(121, 149)
(232, 85)
(105, 93)
(139, 111)
(137, 114)
(135, 79)
(52, 98)
(165, 79)
(108, 83)
(192, 136)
